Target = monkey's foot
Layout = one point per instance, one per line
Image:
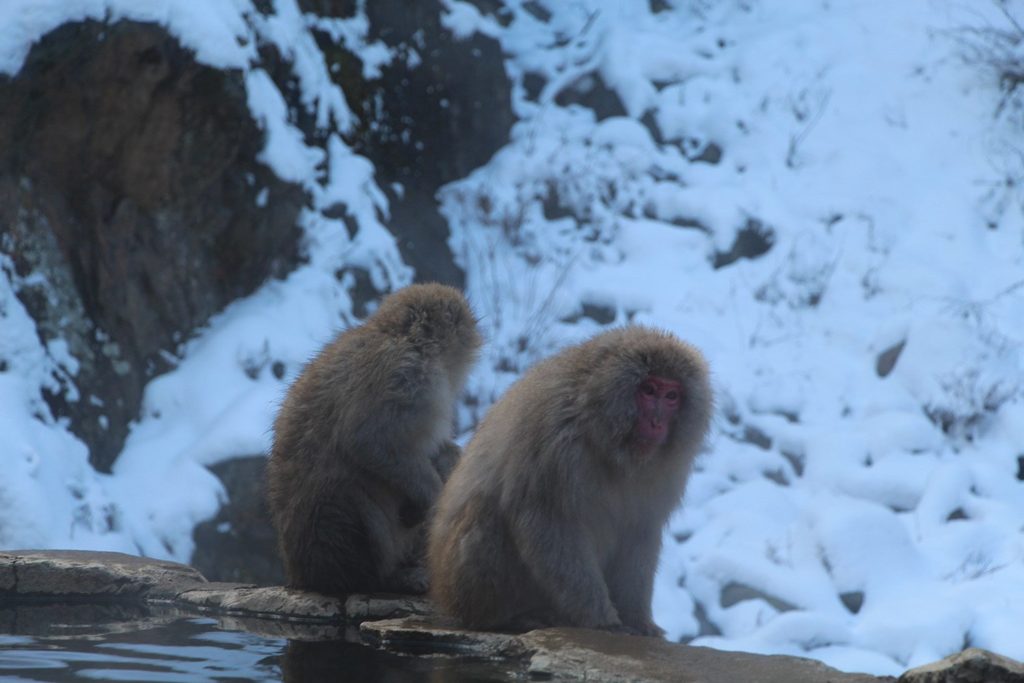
(529, 621)
(408, 580)
(647, 628)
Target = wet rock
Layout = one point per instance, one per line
(239, 544)
(27, 575)
(278, 612)
(354, 662)
(129, 183)
(970, 666)
(309, 631)
(269, 602)
(74, 618)
(419, 635)
(364, 607)
(89, 574)
(584, 654)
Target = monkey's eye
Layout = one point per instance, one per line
(672, 395)
(648, 389)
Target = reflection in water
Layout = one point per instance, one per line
(68, 618)
(182, 650)
(351, 663)
(195, 650)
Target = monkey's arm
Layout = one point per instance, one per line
(412, 476)
(387, 446)
(564, 564)
(630, 577)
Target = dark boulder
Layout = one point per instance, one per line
(239, 544)
(129, 182)
(972, 665)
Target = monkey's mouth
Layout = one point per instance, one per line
(650, 433)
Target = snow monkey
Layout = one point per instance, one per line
(362, 444)
(554, 514)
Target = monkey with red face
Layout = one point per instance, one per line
(555, 512)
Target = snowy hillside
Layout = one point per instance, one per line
(822, 196)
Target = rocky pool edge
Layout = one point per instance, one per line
(38, 580)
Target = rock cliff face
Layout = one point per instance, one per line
(133, 207)
(129, 182)
(438, 111)
(445, 117)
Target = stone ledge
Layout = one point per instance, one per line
(574, 654)
(48, 589)
(274, 602)
(419, 635)
(970, 666)
(359, 608)
(85, 574)
(75, 574)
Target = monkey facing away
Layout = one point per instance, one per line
(362, 444)
(554, 514)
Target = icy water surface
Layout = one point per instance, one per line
(196, 650)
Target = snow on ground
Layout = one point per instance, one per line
(859, 501)
(873, 522)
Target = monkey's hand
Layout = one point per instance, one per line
(630, 576)
(410, 579)
(410, 514)
(412, 479)
(445, 459)
(621, 628)
(563, 561)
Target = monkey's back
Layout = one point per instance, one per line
(337, 411)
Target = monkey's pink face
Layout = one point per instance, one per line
(657, 402)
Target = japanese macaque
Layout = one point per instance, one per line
(362, 444)
(554, 514)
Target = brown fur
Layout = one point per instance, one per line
(363, 441)
(551, 517)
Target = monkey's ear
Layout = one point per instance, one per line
(419, 327)
(609, 390)
(411, 320)
(452, 313)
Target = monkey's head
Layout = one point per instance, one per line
(652, 391)
(438, 321)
